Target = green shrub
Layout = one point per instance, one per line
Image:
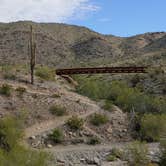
(98, 119)
(5, 89)
(94, 141)
(21, 90)
(153, 127)
(116, 152)
(128, 98)
(108, 105)
(20, 156)
(136, 154)
(163, 152)
(13, 154)
(75, 123)
(92, 88)
(111, 158)
(10, 133)
(56, 136)
(114, 155)
(45, 73)
(57, 110)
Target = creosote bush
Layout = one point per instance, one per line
(5, 89)
(153, 127)
(11, 152)
(136, 154)
(75, 123)
(163, 152)
(98, 119)
(10, 133)
(94, 141)
(114, 155)
(56, 136)
(57, 110)
(45, 73)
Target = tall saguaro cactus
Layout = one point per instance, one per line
(32, 54)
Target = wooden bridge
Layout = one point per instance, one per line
(98, 70)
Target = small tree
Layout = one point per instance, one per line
(32, 54)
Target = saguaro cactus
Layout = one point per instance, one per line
(32, 48)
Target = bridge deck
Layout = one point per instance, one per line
(98, 70)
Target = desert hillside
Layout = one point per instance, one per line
(62, 45)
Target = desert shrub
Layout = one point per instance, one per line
(93, 88)
(5, 89)
(57, 110)
(136, 154)
(21, 90)
(13, 154)
(153, 127)
(20, 156)
(108, 105)
(94, 141)
(10, 133)
(163, 152)
(114, 155)
(45, 73)
(75, 123)
(111, 158)
(90, 89)
(131, 98)
(119, 93)
(98, 119)
(56, 136)
(117, 152)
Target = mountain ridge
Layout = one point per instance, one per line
(62, 45)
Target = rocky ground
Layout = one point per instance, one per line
(94, 155)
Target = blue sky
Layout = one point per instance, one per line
(117, 17)
(126, 17)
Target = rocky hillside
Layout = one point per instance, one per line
(46, 109)
(62, 45)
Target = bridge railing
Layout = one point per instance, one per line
(97, 70)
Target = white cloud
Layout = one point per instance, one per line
(44, 10)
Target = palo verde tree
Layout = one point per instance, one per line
(32, 50)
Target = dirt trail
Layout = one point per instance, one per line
(67, 149)
(49, 125)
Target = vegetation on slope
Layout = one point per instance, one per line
(149, 110)
(12, 153)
